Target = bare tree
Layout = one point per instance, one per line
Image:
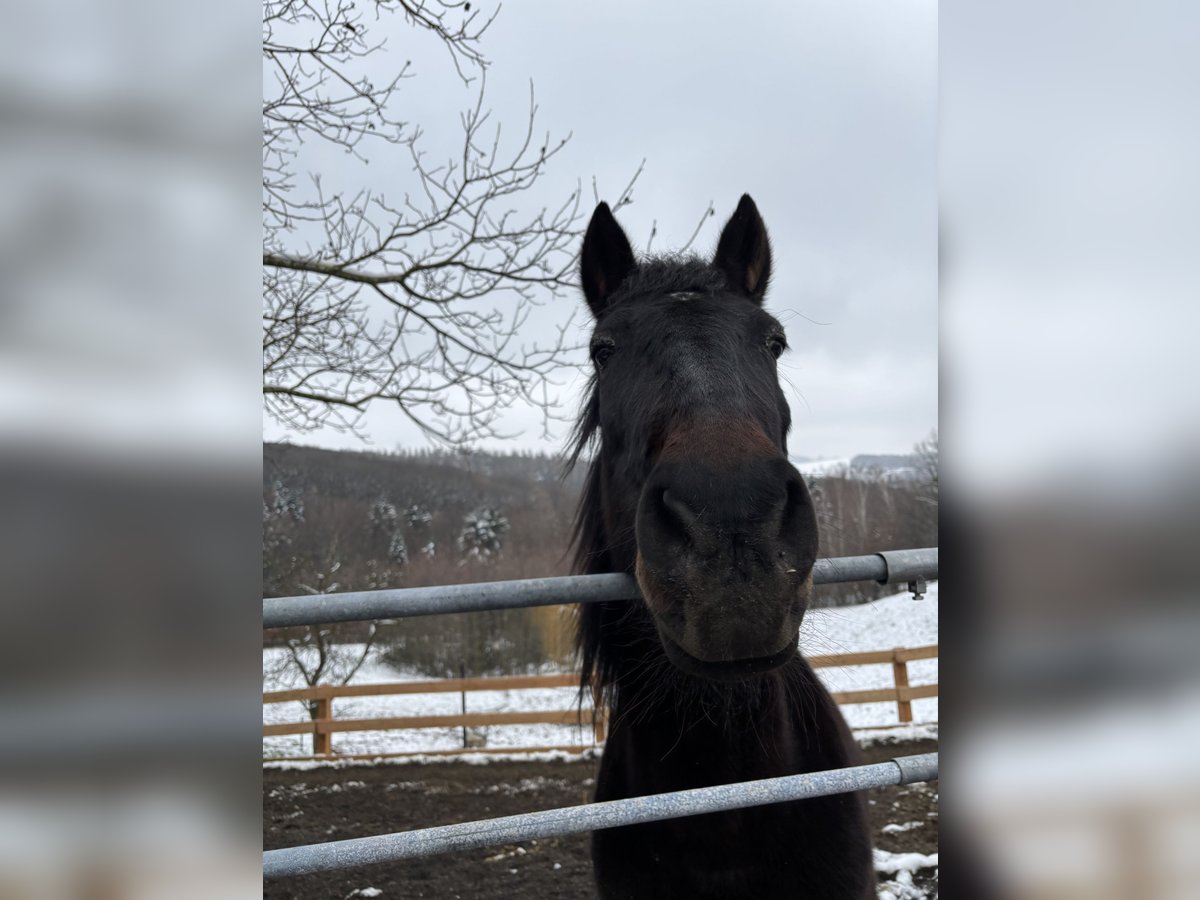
(927, 488)
(418, 300)
(319, 657)
(927, 462)
(320, 654)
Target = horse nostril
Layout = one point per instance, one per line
(798, 528)
(797, 493)
(684, 514)
(796, 502)
(676, 520)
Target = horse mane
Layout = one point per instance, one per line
(589, 552)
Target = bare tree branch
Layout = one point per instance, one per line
(416, 301)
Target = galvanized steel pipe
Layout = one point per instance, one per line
(610, 814)
(888, 567)
(909, 565)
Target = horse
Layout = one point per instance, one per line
(690, 490)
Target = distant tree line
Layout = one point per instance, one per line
(348, 521)
(866, 514)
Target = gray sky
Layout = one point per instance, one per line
(825, 113)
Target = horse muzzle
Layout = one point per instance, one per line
(725, 564)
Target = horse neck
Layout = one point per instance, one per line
(706, 733)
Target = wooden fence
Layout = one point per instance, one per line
(323, 725)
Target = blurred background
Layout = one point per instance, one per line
(146, 151)
(1070, 432)
(129, 451)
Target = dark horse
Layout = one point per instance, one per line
(691, 491)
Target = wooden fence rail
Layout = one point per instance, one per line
(322, 725)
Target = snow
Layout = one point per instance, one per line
(823, 468)
(893, 621)
(898, 827)
(868, 467)
(901, 866)
(896, 734)
(891, 863)
(476, 759)
(424, 739)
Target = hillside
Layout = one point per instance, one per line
(406, 519)
(342, 521)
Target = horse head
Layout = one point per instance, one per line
(716, 524)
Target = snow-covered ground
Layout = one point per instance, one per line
(894, 621)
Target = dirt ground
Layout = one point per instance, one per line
(328, 804)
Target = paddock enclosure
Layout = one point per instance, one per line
(907, 567)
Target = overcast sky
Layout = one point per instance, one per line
(826, 113)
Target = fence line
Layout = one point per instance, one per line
(887, 567)
(913, 566)
(323, 725)
(606, 814)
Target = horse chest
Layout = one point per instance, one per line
(811, 848)
(787, 850)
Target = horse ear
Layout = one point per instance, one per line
(744, 251)
(606, 259)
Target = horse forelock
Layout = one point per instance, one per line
(678, 276)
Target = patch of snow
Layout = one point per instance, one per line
(365, 892)
(916, 731)
(901, 866)
(505, 854)
(525, 786)
(896, 828)
(891, 863)
(472, 759)
(901, 888)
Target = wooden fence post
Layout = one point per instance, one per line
(900, 676)
(462, 673)
(322, 740)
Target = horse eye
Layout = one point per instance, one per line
(776, 344)
(601, 352)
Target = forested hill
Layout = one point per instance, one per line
(346, 520)
(392, 519)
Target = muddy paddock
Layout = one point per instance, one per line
(328, 804)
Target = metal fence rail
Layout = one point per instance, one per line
(609, 814)
(888, 567)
